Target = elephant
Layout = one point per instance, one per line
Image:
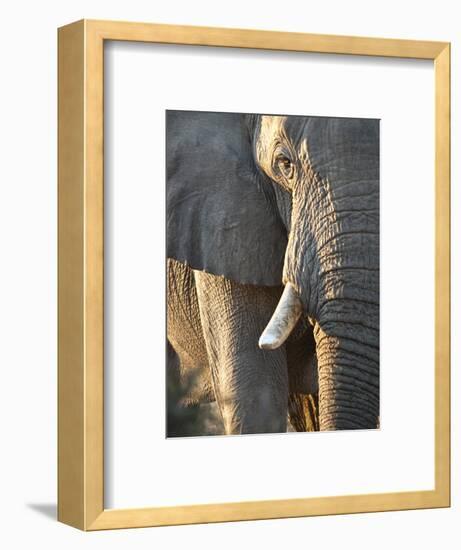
(273, 267)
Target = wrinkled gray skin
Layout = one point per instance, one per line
(214, 324)
(258, 201)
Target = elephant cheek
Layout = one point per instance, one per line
(301, 264)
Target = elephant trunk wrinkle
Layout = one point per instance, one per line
(348, 372)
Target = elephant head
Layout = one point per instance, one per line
(330, 166)
(266, 200)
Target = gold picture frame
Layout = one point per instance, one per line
(81, 267)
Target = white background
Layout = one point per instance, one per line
(28, 289)
(142, 467)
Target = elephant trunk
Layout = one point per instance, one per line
(347, 347)
(348, 370)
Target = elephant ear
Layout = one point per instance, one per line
(220, 218)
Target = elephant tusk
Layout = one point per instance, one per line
(284, 319)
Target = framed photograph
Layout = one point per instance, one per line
(254, 275)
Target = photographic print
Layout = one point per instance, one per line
(272, 273)
(279, 311)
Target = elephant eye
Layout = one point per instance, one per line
(285, 166)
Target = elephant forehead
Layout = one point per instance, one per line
(270, 132)
(271, 125)
(333, 136)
